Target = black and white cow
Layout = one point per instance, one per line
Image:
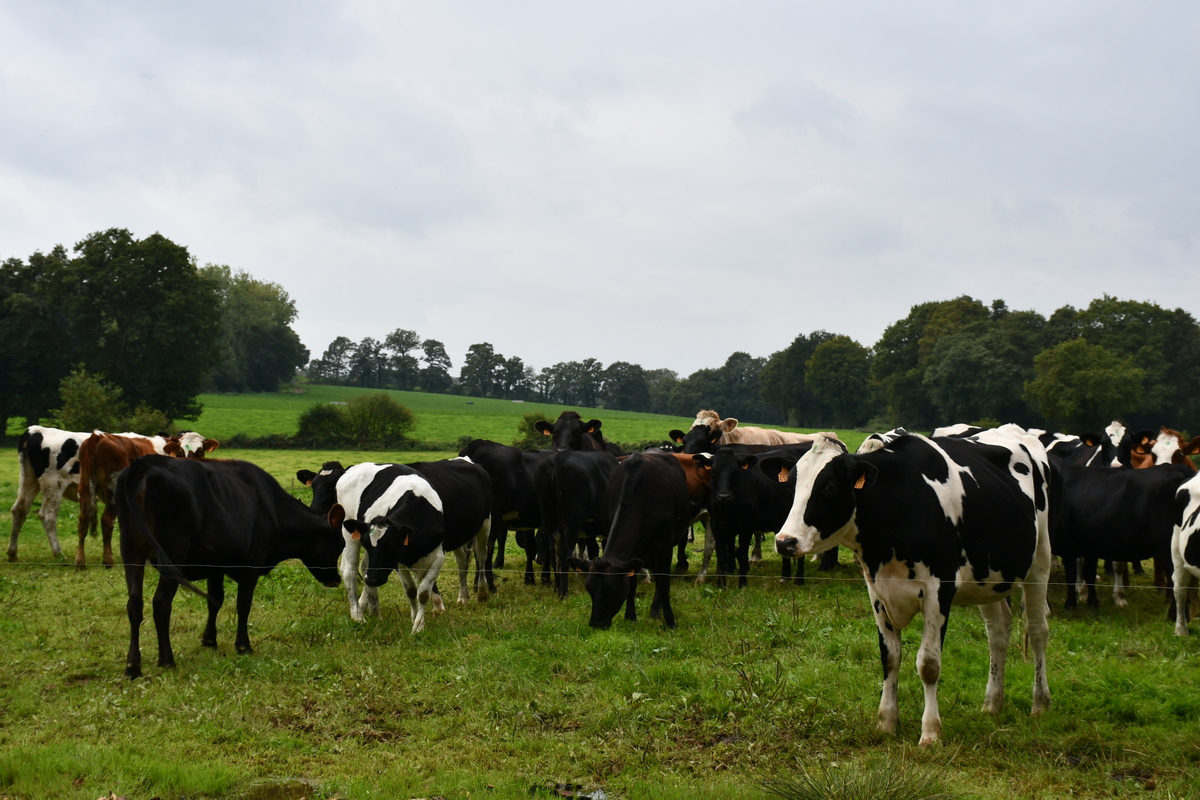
(48, 464)
(570, 487)
(1185, 549)
(648, 512)
(446, 502)
(878, 440)
(936, 522)
(206, 519)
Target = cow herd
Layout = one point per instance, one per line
(965, 516)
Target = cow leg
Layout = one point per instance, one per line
(134, 577)
(48, 513)
(485, 587)
(829, 560)
(1120, 581)
(349, 570)
(756, 556)
(744, 559)
(462, 558)
(710, 544)
(164, 595)
(497, 539)
(662, 600)
(216, 598)
(245, 597)
(565, 543)
(1071, 573)
(106, 529)
(681, 565)
(997, 619)
(631, 599)
(1182, 579)
(419, 593)
(20, 511)
(799, 579)
(889, 657)
(1037, 627)
(1089, 577)
(936, 611)
(368, 601)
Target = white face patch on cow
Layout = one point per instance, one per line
(1165, 447)
(807, 538)
(1115, 432)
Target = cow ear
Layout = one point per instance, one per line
(210, 445)
(172, 448)
(579, 564)
(634, 566)
(1090, 439)
(593, 426)
(676, 436)
(727, 424)
(544, 427)
(1192, 447)
(747, 461)
(305, 476)
(865, 473)
(700, 460)
(783, 475)
(336, 516)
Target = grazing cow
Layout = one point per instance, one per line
(570, 432)
(747, 503)
(514, 501)
(936, 522)
(196, 519)
(48, 463)
(440, 501)
(709, 432)
(1118, 514)
(648, 509)
(570, 487)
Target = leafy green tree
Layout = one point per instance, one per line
(334, 364)
(838, 374)
(403, 368)
(1080, 386)
(783, 383)
(89, 403)
(479, 376)
(625, 387)
(660, 383)
(435, 375)
(259, 349)
(145, 317)
(511, 379)
(591, 379)
(368, 364)
(35, 343)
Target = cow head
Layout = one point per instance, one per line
(570, 432)
(323, 483)
(189, 444)
(705, 434)
(610, 582)
(1170, 448)
(827, 481)
(322, 561)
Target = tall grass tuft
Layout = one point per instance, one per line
(875, 781)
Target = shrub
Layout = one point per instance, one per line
(322, 425)
(530, 438)
(369, 421)
(146, 421)
(89, 403)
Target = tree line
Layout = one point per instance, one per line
(955, 360)
(140, 317)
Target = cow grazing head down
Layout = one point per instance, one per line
(570, 432)
(412, 529)
(610, 582)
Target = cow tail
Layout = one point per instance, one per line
(132, 482)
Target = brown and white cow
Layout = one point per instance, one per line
(709, 432)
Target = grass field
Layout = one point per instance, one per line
(513, 697)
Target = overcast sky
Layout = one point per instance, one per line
(663, 183)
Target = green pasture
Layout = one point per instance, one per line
(512, 697)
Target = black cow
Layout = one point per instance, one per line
(1117, 514)
(514, 501)
(746, 503)
(570, 487)
(648, 512)
(936, 522)
(207, 519)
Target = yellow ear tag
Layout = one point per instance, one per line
(632, 572)
(861, 482)
(745, 466)
(547, 433)
(356, 536)
(405, 541)
(783, 475)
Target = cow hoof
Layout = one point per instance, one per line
(133, 671)
(12, 555)
(927, 741)
(208, 643)
(245, 650)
